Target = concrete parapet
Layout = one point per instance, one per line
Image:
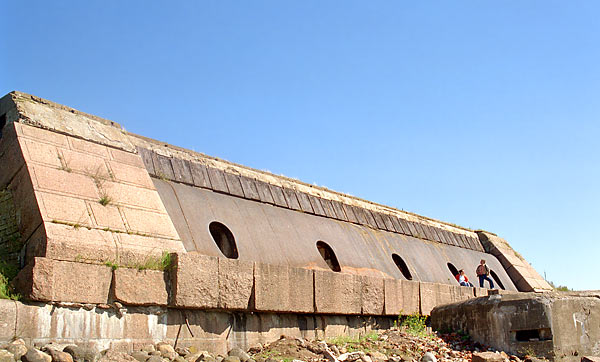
(52, 280)
(337, 293)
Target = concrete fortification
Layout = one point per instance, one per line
(120, 237)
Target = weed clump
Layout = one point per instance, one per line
(414, 324)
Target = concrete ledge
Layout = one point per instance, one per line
(279, 288)
(194, 281)
(53, 280)
(140, 287)
(236, 279)
(337, 293)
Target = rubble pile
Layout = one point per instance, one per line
(395, 345)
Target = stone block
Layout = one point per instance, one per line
(200, 175)
(337, 293)
(150, 223)
(370, 219)
(43, 153)
(64, 242)
(411, 299)
(127, 158)
(316, 204)
(434, 294)
(63, 209)
(481, 292)
(8, 316)
(304, 201)
(130, 174)
(52, 280)
(91, 166)
(162, 166)
(25, 203)
(234, 185)
(146, 157)
(182, 171)
(264, 192)
(392, 296)
(217, 179)
(487, 357)
(70, 183)
(236, 278)
(328, 208)
(11, 155)
(249, 188)
(107, 216)
(278, 196)
(291, 199)
(340, 212)
(372, 295)
(43, 135)
(122, 194)
(140, 287)
(88, 147)
(195, 281)
(280, 288)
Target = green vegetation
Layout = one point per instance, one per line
(414, 324)
(156, 263)
(105, 199)
(560, 288)
(357, 343)
(152, 262)
(7, 273)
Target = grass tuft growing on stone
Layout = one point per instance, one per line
(156, 263)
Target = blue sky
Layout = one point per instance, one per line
(480, 113)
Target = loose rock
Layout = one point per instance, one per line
(59, 356)
(18, 350)
(33, 355)
(6, 356)
(238, 352)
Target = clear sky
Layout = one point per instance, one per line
(481, 113)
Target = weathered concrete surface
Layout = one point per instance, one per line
(133, 327)
(274, 235)
(559, 326)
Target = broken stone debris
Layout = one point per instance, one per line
(390, 346)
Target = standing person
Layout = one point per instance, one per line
(483, 273)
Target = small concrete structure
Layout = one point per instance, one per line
(559, 326)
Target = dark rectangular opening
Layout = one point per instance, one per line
(529, 335)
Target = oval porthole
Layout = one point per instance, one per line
(453, 269)
(402, 266)
(329, 256)
(224, 239)
(496, 279)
